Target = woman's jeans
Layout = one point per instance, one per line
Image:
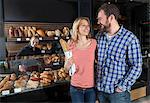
(79, 95)
(122, 97)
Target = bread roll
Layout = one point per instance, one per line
(32, 84)
(41, 32)
(57, 32)
(11, 32)
(29, 33)
(20, 83)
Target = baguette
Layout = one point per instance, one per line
(64, 45)
(7, 85)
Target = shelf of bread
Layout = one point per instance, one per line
(11, 83)
(44, 70)
(24, 33)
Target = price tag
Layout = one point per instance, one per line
(148, 54)
(40, 38)
(67, 37)
(56, 38)
(17, 90)
(5, 92)
(57, 63)
(42, 51)
(27, 39)
(48, 68)
(18, 39)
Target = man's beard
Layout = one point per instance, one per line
(104, 28)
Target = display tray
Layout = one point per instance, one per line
(58, 91)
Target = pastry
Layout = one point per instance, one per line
(57, 32)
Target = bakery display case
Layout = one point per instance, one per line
(42, 72)
(45, 78)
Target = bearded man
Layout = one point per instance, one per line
(119, 57)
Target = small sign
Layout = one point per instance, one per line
(40, 38)
(18, 39)
(27, 39)
(17, 90)
(48, 68)
(5, 92)
(67, 37)
(148, 54)
(56, 38)
(42, 51)
(56, 63)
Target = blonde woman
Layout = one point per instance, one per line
(83, 53)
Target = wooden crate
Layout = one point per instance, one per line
(138, 93)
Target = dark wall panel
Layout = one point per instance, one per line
(40, 10)
(2, 38)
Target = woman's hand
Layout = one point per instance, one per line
(68, 63)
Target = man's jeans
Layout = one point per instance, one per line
(82, 96)
(122, 97)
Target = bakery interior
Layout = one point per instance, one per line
(51, 20)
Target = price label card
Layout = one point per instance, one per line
(27, 39)
(5, 92)
(18, 39)
(57, 63)
(17, 90)
(42, 51)
(40, 38)
(56, 38)
(67, 37)
(148, 54)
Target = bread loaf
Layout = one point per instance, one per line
(4, 81)
(64, 45)
(7, 85)
(41, 32)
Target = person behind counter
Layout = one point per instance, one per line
(31, 48)
(83, 54)
(119, 57)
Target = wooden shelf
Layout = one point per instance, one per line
(20, 39)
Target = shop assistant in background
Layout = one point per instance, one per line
(119, 57)
(83, 52)
(31, 48)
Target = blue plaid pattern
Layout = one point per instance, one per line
(119, 61)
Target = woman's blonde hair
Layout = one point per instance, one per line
(75, 28)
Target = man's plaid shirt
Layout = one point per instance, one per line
(119, 61)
